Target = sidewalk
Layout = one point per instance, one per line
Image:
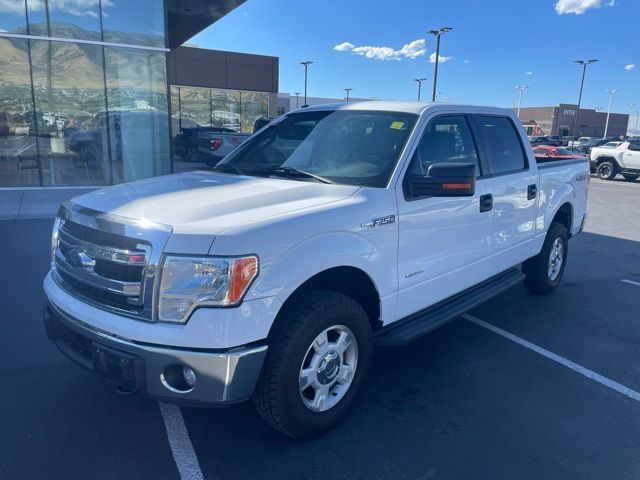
(34, 203)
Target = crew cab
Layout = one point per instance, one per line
(608, 162)
(332, 229)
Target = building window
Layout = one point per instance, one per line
(200, 113)
(69, 95)
(137, 113)
(136, 22)
(19, 162)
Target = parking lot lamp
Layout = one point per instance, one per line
(584, 64)
(522, 88)
(297, 94)
(306, 64)
(348, 90)
(419, 81)
(437, 34)
(637, 117)
(611, 91)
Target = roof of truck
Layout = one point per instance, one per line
(403, 106)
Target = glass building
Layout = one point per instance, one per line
(85, 98)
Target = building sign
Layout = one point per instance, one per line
(570, 112)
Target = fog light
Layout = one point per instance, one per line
(178, 378)
(189, 376)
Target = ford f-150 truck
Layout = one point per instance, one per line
(332, 229)
(608, 162)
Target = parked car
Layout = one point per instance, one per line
(186, 142)
(545, 153)
(612, 144)
(554, 140)
(272, 276)
(608, 162)
(539, 140)
(214, 146)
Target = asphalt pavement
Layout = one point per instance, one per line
(462, 402)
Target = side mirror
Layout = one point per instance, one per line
(444, 180)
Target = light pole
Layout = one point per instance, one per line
(637, 117)
(297, 94)
(437, 34)
(630, 105)
(419, 81)
(348, 90)
(522, 88)
(611, 91)
(306, 64)
(584, 64)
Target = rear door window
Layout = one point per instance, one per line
(506, 153)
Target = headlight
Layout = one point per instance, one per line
(189, 282)
(54, 241)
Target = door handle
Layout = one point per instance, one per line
(486, 202)
(532, 191)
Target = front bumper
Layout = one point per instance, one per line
(222, 377)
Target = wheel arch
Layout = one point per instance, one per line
(564, 216)
(348, 280)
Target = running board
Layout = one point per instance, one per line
(414, 326)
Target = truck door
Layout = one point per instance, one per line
(515, 191)
(443, 241)
(632, 155)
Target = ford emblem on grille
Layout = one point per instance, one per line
(78, 258)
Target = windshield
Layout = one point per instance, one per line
(341, 146)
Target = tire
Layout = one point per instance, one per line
(279, 398)
(630, 177)
(540, 275)
(607, 170)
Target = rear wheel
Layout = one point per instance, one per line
(319, 353)
(607, 170)
(630, 176)
(544, 271)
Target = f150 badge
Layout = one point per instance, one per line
(376, 222)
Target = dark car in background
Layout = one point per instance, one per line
(539, 140)
(186, 142)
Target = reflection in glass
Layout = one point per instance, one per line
(253, 106)
(138, 113)
(65, 18)
(138, 22)
(18, 154)
(12, 16)
(226, 108)
(69, 101)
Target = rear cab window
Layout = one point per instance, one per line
(503, 144)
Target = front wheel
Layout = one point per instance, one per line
(607, 170)
(630, 177)
(544, 271)
(319, 353)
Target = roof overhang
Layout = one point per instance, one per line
(186, 18)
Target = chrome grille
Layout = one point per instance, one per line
(107, 260)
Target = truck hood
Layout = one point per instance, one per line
(208, 202)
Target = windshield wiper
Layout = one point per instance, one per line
(294, 172)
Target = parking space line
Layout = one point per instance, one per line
(630, 281)
(557, 358)
(183, 453)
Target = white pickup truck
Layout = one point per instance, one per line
(332, 229)
(607, 162)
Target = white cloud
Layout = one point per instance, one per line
(629, 67)
(344, 47)
(467, 61)
(412, 49)
(441, 58)
(528, 73)
(578, 7)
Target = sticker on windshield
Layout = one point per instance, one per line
(397, 125)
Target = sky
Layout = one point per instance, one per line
(378, 48)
